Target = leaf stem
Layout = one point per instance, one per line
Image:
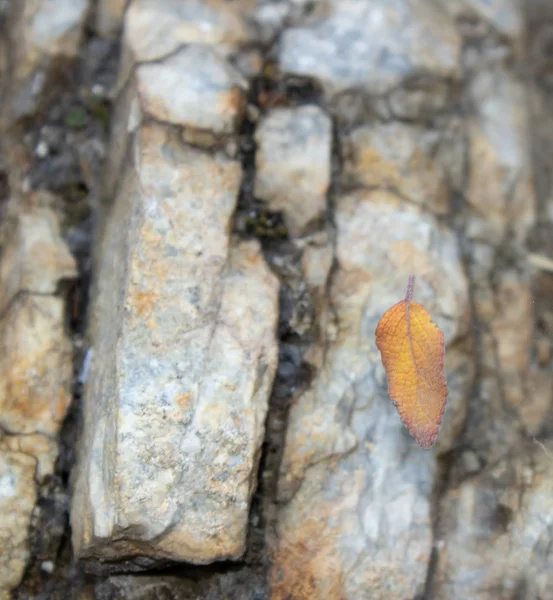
(410, 288)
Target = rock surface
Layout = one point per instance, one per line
(403, 158)
(215, 91)
(35, 361)
(356, 507)
(35, 370)
(359, 140)
(184, 357)
(43, 34)
(505, 16)
(501, 186)
(293, 164)
(109, 17)
(17, 500)
(154, 29)
(349, 44)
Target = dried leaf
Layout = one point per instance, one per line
(412, 349)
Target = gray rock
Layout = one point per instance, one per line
(156, 28)
(373, 46)
(293, 164)
(42, 37)
(195, 88)
(355, 487)
(399, 157)
(505, 16)
(184, 357)
(17, 500)
(34, 258)
(501, 181)
(500, 549)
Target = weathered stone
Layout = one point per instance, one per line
(505, 16)
(184, 357)
(499, 525)
(109, 17)
(35, 358)
(156, 28)
(355, 487)
(43, 448)
(34, 258)
(42, 34)
(293, 164)
(17, 500)
(195, 88)
(501, 185)
(398, 157)
(358, 44)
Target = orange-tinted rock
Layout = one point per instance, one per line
(184, 356)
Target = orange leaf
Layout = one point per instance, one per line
(412, 349)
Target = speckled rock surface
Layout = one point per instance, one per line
(35, 360)
(184, 357)
(501, 186)
(419, 136)
(403, 158)
(35, 370)
(209, 111)
(156, 29)
(213, 92)
(349, 44)
(504, 16)
(17, 500)
(348, 474)
(43, 35)
(293, 164)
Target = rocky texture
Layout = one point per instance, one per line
(17, 500)
(489, 509)
(506, 17)
(44, 36)
(234, 585)
(501, 187)
(357, 511)
(293, 164)
(184, 356)
(154, 30)
(215, 92)
(403, 158)
(35, 363)
(355, 44)
(208, 113)
(109, 17)
(35, 369)
(431, 170)
(489, 462)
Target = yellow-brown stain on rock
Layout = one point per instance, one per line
(307, 565)
(231, 102)
(183, 401)
(143, 303)
(376, 169)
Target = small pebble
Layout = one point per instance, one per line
(47, 566)
(98, 90)
(42, 149)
